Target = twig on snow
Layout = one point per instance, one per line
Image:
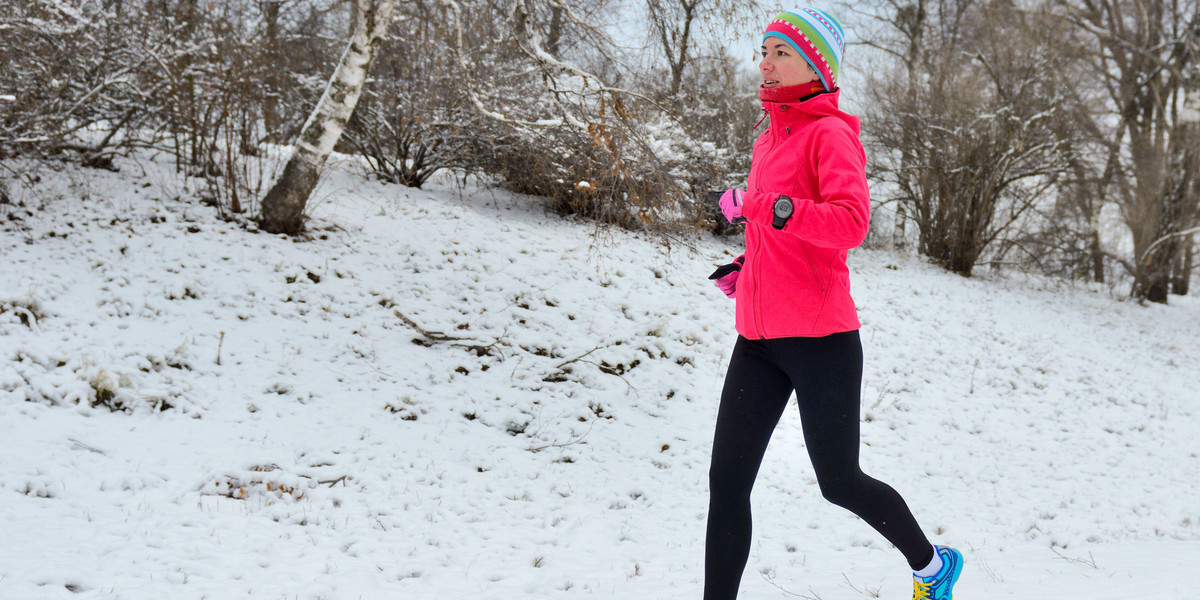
(567, 362)
(570, 441)
(437, 336)
(771, 580)
(1091, 560)
(873, 593)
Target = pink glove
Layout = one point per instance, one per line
(728, 284)
(731, 206)
(726, 276)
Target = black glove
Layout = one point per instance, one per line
(726, 276)
(724, 270)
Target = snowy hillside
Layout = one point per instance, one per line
(448, 394)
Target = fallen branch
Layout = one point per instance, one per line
(435, 336)
(602, 367)
(432, 337)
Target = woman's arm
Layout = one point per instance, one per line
(843, 219)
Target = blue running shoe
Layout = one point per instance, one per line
(940, 586)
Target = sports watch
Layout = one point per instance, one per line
(783, 212)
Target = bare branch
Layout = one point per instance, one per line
(1145, 257)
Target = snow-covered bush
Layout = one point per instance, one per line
(206, 84)
(27, 311)
(134, 383)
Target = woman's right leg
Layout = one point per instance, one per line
(827, 374)
(754, 397)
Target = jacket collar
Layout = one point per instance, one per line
(791, 93)
(792, 113)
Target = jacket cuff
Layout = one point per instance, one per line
(759, 207)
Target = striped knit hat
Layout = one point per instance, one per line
(816, 35)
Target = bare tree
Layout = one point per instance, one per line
(1183, 187)
(897, 29)
(972, 140)
(283, 206)
(672, 22)
(1143, 52)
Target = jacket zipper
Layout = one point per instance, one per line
(773, 131)
(758, 324)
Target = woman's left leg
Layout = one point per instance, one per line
(827, 375)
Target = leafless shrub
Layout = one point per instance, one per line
(70, 72)
(411, 122)
(971, 141)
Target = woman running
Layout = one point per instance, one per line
(805, 206)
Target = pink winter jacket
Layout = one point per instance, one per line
(795, 282)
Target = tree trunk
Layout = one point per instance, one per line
(911, 20)
(1182, 277)
(1181, 194)
(689, 14)
(1154, 251)
(186, 15)
(554, 36)
(270, 116)
(1084, 186)
(1097, 256)
(1189, 162)
(283, 206)
(899, 233)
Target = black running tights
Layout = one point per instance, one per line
(826, 374)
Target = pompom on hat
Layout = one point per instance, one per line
(816, 35)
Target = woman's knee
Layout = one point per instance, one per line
(844, 491)
(728, 485)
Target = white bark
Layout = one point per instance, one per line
(283, 206)
(328, 120)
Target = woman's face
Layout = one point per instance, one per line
(783, 66)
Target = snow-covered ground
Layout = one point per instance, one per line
(446, 393)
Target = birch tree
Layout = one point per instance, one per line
(412, 121)
(283, 206)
